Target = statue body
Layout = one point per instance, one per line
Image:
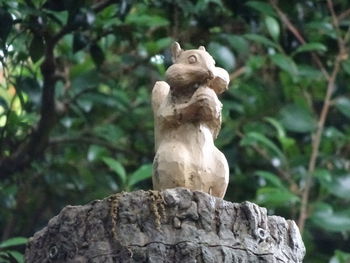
(187, 115)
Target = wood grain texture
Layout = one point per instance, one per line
(187, 115)
(176, 225)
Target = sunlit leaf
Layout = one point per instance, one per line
(273, 27)
(117, 167)
(143, 173)
(15, 241)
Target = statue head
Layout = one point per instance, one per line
(195, 67)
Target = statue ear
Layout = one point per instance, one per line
(175, 51)
(202, 48)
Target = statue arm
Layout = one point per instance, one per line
(203, 106)
(159, 93)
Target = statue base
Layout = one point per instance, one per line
(175, 225)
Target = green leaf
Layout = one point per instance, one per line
(343, 105)
(143, 173)
(297, 119)
(321, 27)
(323, 176)
(96, 152)
(286, 142)
(275, 197)
(145, 20)
(16, 255)
(4, 257)
(311, 47)
(279, 128)
(346, 66)
(337, 184)
(164, 42)
(273, 27)
(3, 105)
(285, 63)
(340, 257)
(15, 241)
(97, 55)
(324, 217)
(6, 24)
(272, 178)
(154, 47)
(223, 55)
(116, 167)
(254, 137)
(238, 43)
(109, 132)
(36, 48)
(309, 72)
(262, 7)
(261, 40)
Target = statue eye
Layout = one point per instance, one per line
(192, 59)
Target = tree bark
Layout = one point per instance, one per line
(176, 225)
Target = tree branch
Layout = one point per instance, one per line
(344, 15)
(316, 145)
(285, 20)
(89, 140)
(237, 73)
(99, 6)
(37, 141)
(316, 141)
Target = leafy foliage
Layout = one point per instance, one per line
(76, 121)
(7, 255)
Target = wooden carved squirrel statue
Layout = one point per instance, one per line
(187, 115)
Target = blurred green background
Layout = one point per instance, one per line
(76, 121)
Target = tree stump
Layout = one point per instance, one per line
(176, 225)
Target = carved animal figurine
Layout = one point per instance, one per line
(187, 115)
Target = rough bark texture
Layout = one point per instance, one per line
(176, 225)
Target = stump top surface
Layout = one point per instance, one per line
(176, 225)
